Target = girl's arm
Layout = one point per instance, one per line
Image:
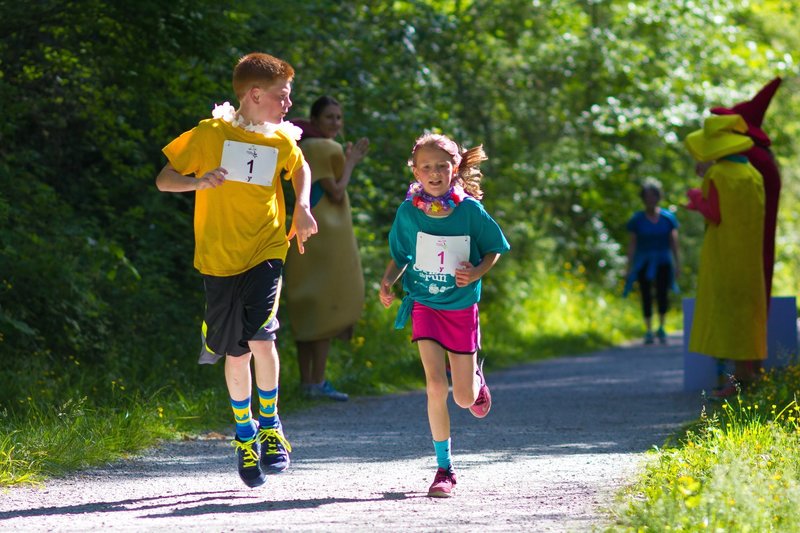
(354, 153)
(673, 244)
(470, 273)
(390, 277)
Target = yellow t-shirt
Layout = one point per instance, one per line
(237, 225)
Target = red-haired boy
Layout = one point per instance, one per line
(234, 162)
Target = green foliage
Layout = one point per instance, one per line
(738, 471)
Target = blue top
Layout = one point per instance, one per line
(436, 290)
(652, 245)
(652, 236)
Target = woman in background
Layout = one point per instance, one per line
(325, 285)
(653, 257)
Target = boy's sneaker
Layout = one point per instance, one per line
(483, 403)
(324, 390)
(443, 483)
(274, 449)
(247, 453)
(662, 336)
(648, 338)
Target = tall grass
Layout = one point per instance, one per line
(737, 469)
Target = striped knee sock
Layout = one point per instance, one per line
(245, 426)
(268, 408)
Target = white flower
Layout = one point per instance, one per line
(225, 111)
(291, 130)
(228, 113)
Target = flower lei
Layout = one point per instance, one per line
(228, 113)
(433, 205)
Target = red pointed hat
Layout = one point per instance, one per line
(753, 111)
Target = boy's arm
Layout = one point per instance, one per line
(303, 223)
(468, 273)
(390, 277)
(170, 180)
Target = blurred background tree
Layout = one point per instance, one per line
(576, 103)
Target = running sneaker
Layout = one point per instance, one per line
(443, 483)
(274, 450)
(247, 453)
(648, 338)
(324, 390)
(483, 403)
(661, 335)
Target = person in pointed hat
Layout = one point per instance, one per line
(761, 157)
(730, 315)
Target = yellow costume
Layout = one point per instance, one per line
(730, 315)
(325, 286)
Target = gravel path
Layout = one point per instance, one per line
(564, 435)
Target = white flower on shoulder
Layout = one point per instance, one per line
(295, 132)
(228, 113)
(225, 111)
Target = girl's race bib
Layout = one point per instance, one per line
(437, 254)
(249, 163)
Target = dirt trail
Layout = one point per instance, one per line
(564, 435)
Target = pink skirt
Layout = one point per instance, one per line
(456, 330)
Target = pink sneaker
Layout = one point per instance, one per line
(443, 483)
(483, 403)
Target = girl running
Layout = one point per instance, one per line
(442, 242)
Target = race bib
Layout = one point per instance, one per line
(441, 255)
(249, 163)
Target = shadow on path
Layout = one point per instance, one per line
(617, 401)
(197, 504)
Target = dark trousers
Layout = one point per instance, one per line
(662, 290)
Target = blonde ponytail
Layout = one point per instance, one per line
(469, 171)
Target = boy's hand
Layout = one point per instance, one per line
(467, 274)
(386, 294)
(211, 179)
(303, 226)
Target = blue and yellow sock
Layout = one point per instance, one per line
(245, 425)
(443, 457)
(268, 408)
